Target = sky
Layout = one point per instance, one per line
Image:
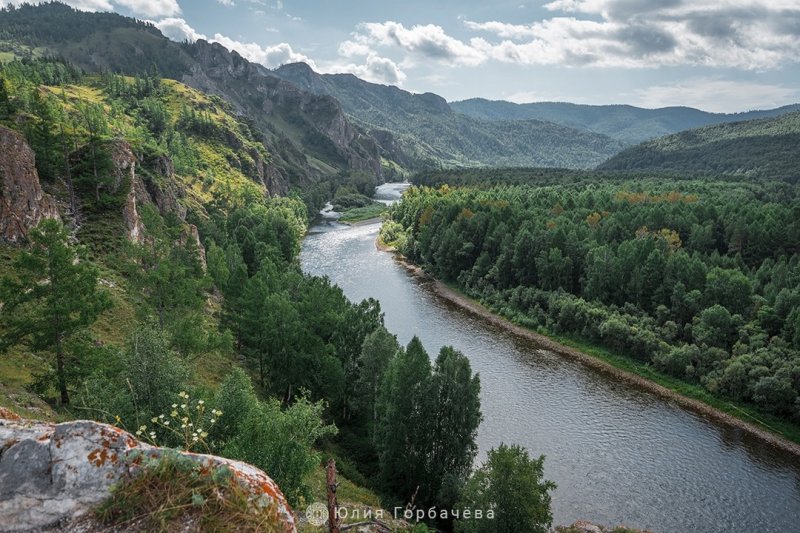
(722, 56)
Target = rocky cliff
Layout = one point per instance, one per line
(53, 475)
(23, 204)
(326, 133)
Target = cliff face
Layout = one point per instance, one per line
(325, 133)
(52, 475)
(23, 204)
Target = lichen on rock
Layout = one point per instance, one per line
(56, 474)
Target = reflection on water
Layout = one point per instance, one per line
(618, 454)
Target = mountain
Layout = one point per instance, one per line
(429, 133)
(625, 123)
(307, 134)
(761, 148)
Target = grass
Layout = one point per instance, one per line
(173, 491)
(359, 214)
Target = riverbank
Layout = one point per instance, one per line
(626, 374)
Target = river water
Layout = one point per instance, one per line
(618, 454)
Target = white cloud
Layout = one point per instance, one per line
(151, 8)
(269, 56)
(743, 34)
(426, 40)
(148, 8)
(178, 29)
(226, 3)
(375, 69)
(717, 95)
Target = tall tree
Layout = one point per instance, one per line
(511, 485)
(402, 439)
(53, 296)
(454, 397)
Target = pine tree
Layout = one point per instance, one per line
(53, 296)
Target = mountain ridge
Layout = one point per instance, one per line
(431, 133)
(624, 122)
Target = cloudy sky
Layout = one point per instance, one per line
(724, 55)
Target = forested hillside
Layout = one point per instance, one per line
(308, 136)
(149, 279)
(696, 279)
(430, 134)
(625, 123)
(764, 148)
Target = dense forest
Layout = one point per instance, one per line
(701, 280)
(761, 149)
(218, 343)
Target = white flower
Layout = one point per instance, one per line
(213, 420)
(174, 405)
(201, 402)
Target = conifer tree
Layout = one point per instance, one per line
(53, 296)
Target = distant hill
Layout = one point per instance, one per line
(625, 123)
(308, 136)
(429, 133)
(762, 148)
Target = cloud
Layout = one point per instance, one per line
(271, 56)
(428, 40)
(227, 3)
(148, 8)
(178, 29)
(151, 8)
(742, 34)
(375, 69)
(716, 95)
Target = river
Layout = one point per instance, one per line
(618, 454)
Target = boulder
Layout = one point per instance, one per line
(23, 204)
(54, 474)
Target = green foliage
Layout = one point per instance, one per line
(427, 424)
(511, 485)
(696, 277)
(53, 297)
(280, 442)
(763, 148)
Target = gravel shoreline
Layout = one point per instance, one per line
(546, 343)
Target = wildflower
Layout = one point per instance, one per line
(173, 414)
(213, 420)
(154, 419)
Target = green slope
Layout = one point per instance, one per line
(763, 148)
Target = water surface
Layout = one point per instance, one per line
(617, 453)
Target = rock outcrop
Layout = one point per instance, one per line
(54, 474)
(23, 204)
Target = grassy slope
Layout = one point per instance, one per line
(103, 235)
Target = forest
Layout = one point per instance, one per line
(221, 344)
(697, 279)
